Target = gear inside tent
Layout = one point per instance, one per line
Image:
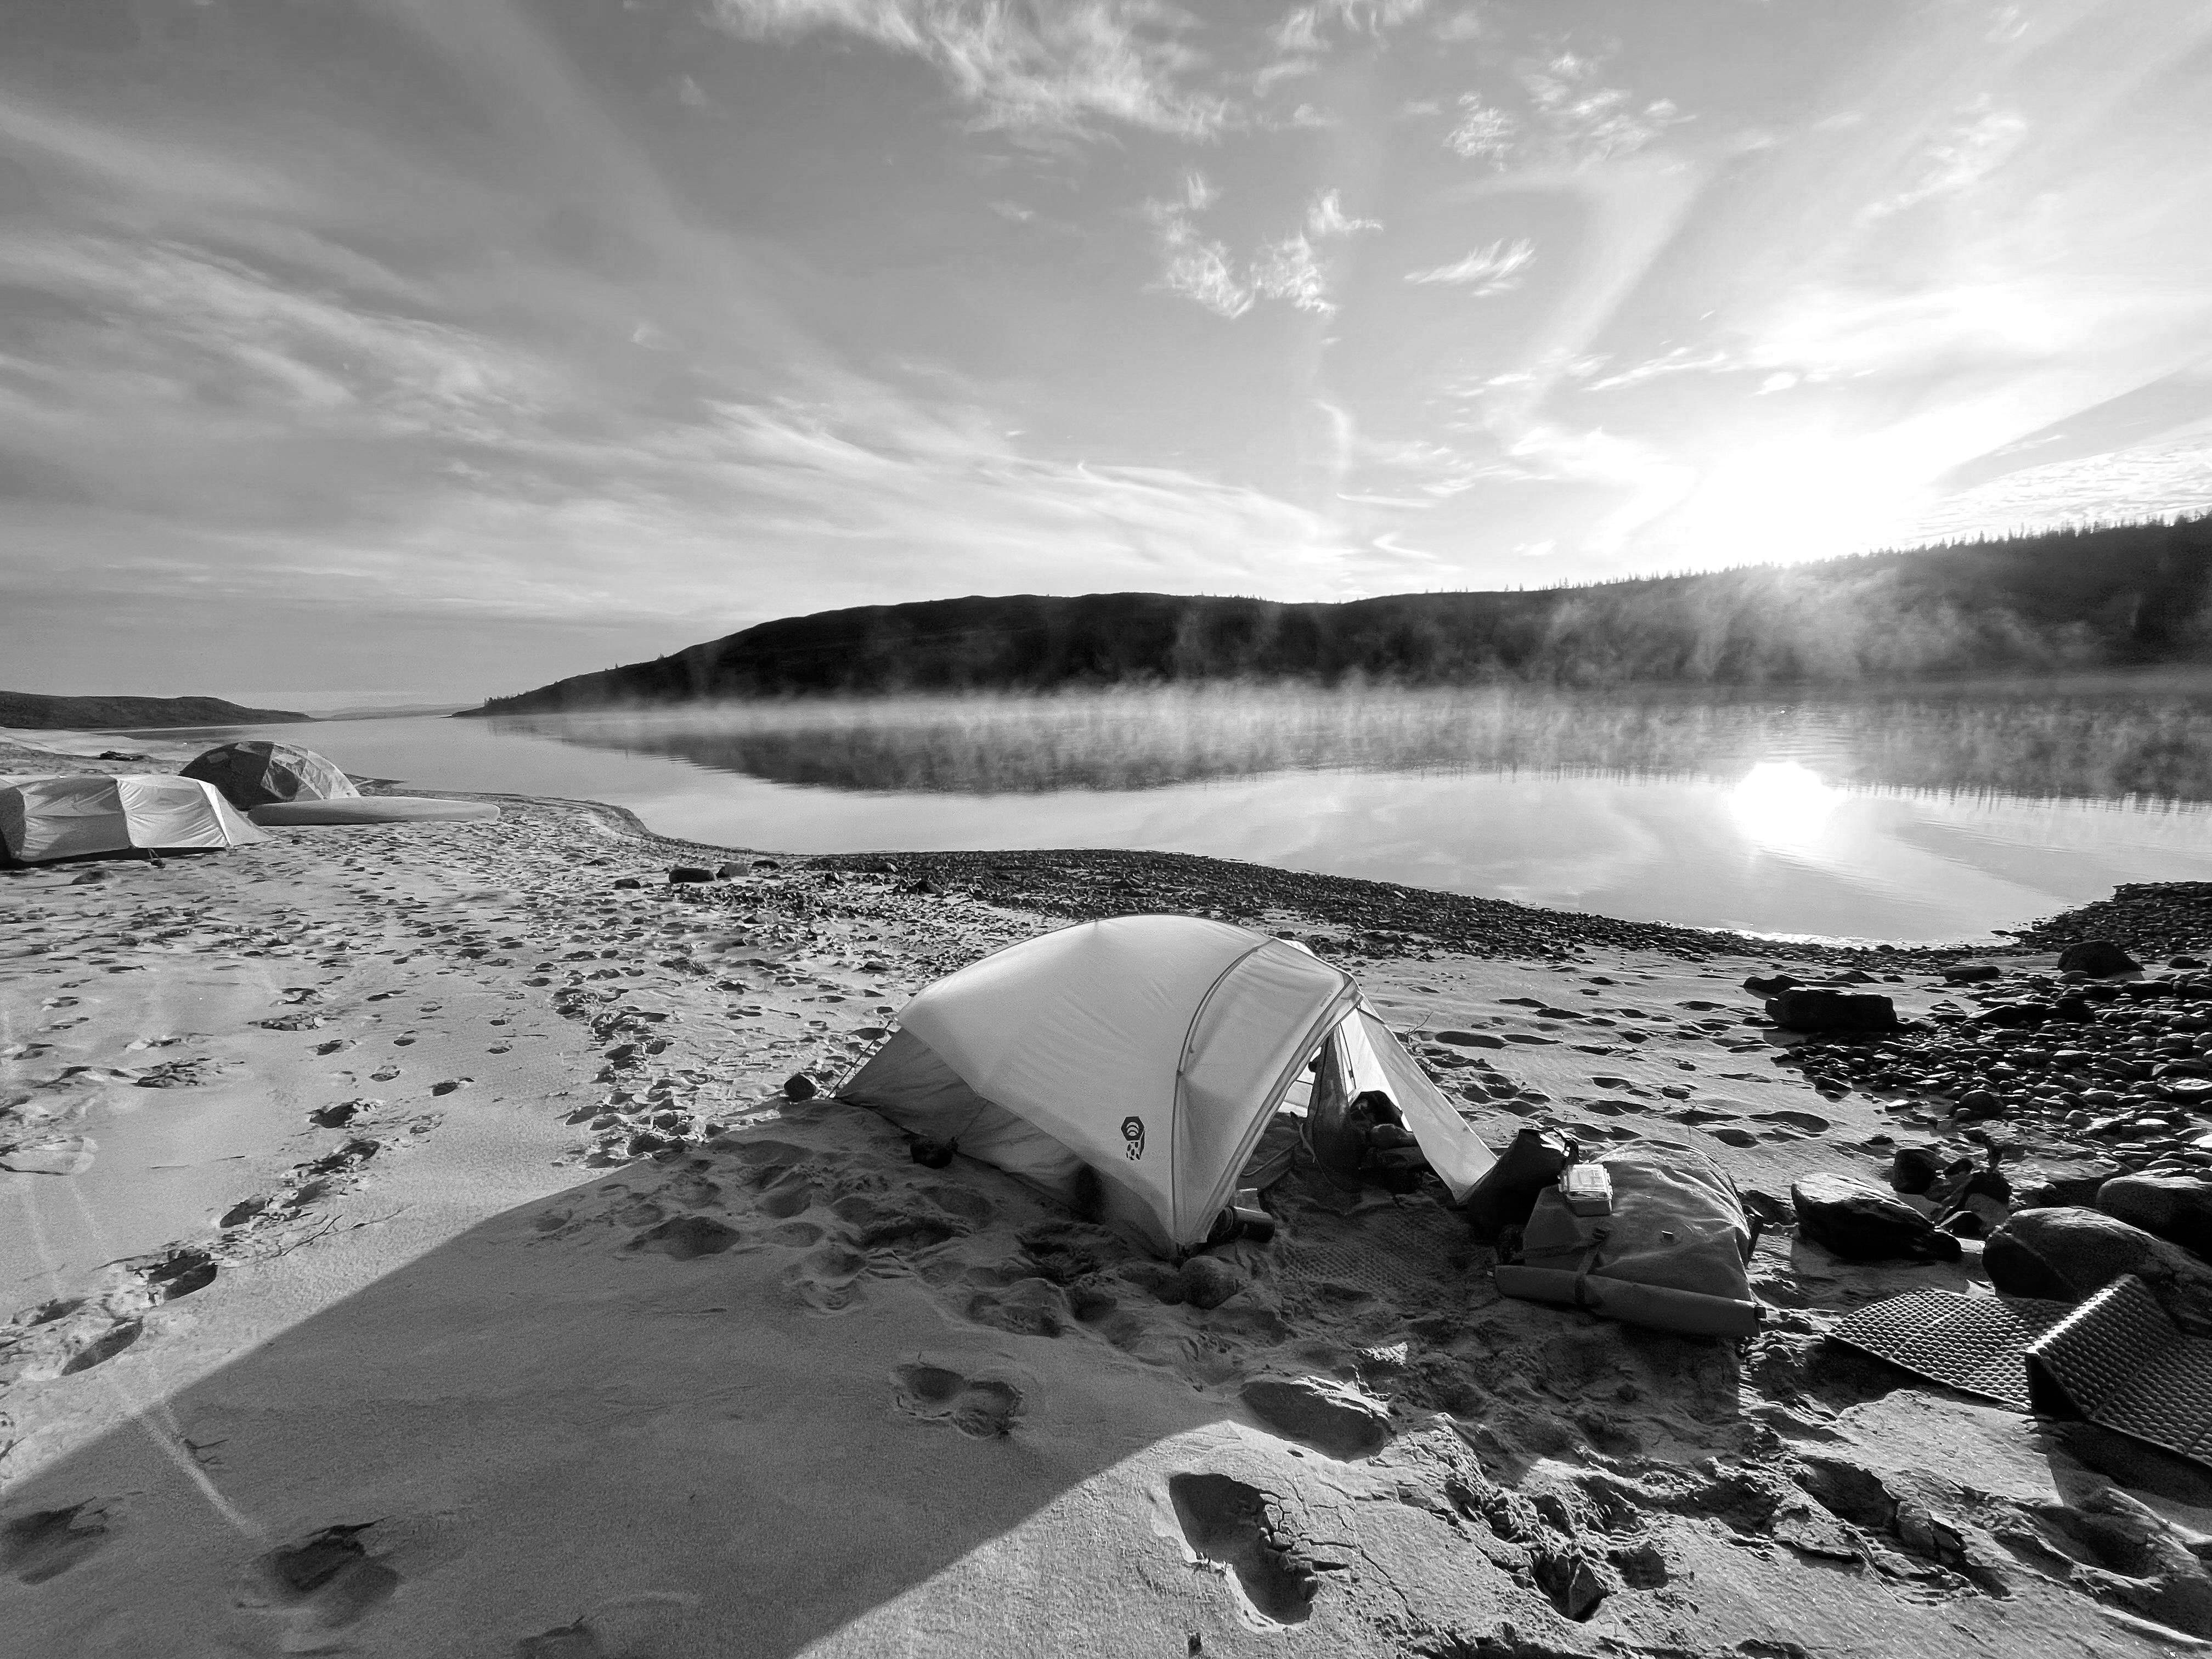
(253, 772)
(77, 815)
(1129, 1067)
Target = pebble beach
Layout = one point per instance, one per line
(446, 1239)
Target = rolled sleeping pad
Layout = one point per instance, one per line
(1655, 1305)
(372, 808)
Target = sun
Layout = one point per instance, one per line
(1796, 499)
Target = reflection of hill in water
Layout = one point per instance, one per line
(2089, 746)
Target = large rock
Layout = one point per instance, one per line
(1815, 1010)
(1860, 1223)
(2096, 957)
(2067, 1255)
(2177, 1208)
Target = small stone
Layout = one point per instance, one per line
(728, 870)
(1207, 1281)
(628, 881)
(799, 1086)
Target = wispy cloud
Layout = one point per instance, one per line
(1979, 142)
(1290, 268)
(1327, 217)
(1487, 270)
(1057, 65)
(1567, 116)
(1483, 132)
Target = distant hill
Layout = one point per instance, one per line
(27, 711)
(2113, 597)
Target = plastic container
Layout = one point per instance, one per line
(1587, 1189)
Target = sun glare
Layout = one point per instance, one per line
(1782, 805)
(1789, 501)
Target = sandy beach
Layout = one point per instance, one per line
(414, 1247)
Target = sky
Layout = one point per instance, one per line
(379, 351)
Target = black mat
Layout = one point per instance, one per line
(2119, 1362)
(1975, 1344)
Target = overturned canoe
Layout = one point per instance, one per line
(372, 809)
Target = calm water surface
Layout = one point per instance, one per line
(1927, 816)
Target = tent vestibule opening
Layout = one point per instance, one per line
(1128, 1068)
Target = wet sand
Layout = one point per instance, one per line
(412, 1248)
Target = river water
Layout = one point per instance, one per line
(1911, 815)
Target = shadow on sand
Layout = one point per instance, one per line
(716, 1405)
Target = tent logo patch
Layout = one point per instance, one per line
(1133, 1131)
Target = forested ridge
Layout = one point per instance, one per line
(31, 711)
(2107, 597)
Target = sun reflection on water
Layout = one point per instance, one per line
(1783, 806)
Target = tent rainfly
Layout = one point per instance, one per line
(1153, 1051)
(253, 772)
(71, 816)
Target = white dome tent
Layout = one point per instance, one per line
(76, 815)
(1152, 1050)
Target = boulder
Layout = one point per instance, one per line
(2177, 1208)
(1770, 984)
(799, 1086)
(1816, 1010)
(2066, 1254)
(1862, 1222)
(1972, 973)
(689, 872)
(2096, 957)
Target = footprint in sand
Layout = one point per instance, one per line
(84, 1355)
(826, 1278)
(47, 1543)
(1812, 1123)
(983, 1408)
(1237, 1530)
(685, 1237)
(67, 1155)
(327, 1582)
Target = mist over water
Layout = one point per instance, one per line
(2087, 746)
(1912, 813)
